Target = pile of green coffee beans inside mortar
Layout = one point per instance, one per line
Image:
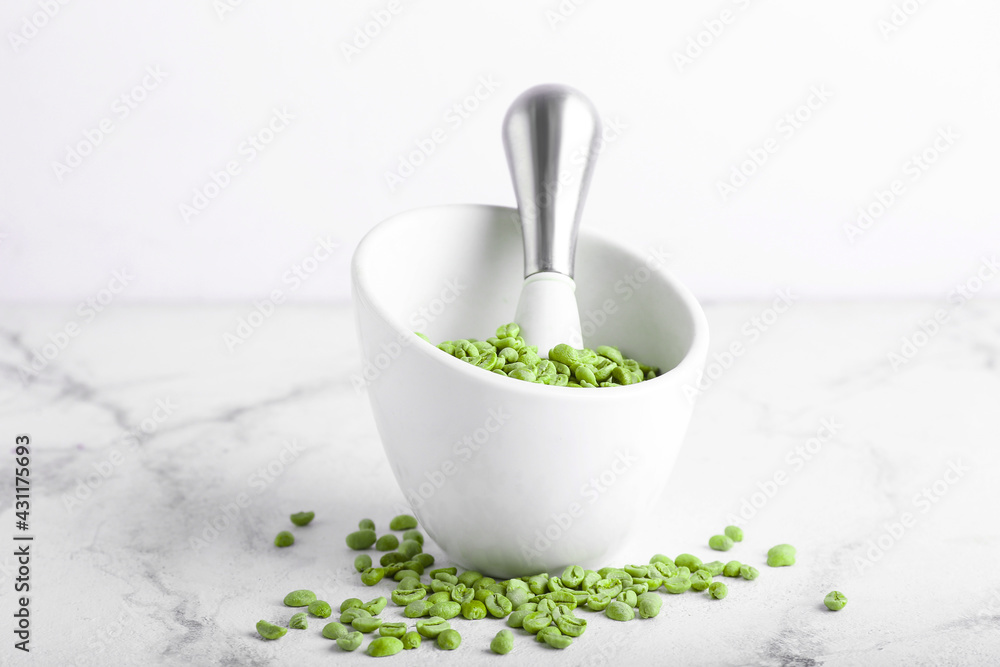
(509, 354)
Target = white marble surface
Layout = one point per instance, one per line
(119, 578)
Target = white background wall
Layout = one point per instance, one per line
(684, 128)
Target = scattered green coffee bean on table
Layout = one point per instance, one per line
(284, 539)
(720, 542)
(449, 640)
(300, 598)
(298, 621)
(835, 601)
(320, 609)
(503, 643)
(688, 561)
(366, 524)
(781, 555)
(403, 522)
(362, 562)
(411, 640)
(732, 569)
(718, 590)
(387, 542)
(302, 518)
(334, 630)
(749, 572)
(350, 641)
(270, 630)
(384, 646)
(432, 627)
(735, 533)
(361, 539)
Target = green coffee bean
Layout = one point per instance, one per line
(449, 640)
(447, 610)
(411, 640)
(558, 641)
(353, 613)
(714, 567)
(660, 558)
(403, 522)
(732, 569)
(366, 524)
(589, 579)
(417, 609)
(425, 560)
(677, 584)
(383, 646)
(700, 580)
(637, 570)
(387, 542)
(503, 643)
(350, 603)
(450, 571)
(835, 600)
(391, 558)
(718, 590)
(535, 621)
(473, 610)
(610, 587)
(649, 605)
(414, 566)
(619, 611)
(571, 625)
(302, 518)
(735, 533)
(499, 605)
(361, 539)
(284, 539)
(683, 572)
(483, 582)
(300, 598)
(403, 597)
(545, 632)
(362, 562)
(372, 575)
(270, 630)
(375, 607)
(599, 602)
(619, 574)
(518, 596)
(628, 597)
(334, 630)
(538, 583)
(298, 621)
(403, 574)
(415, 535)
(410, 548)
(350, 641)
(572, 576)
(440, 596)
(516, 618)
(432, 627)
(781, 555)
(546, 606)
(720, 542)
(366, 624)
(688, 561)
(320, 609)
(749, 573)
(439, 586)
